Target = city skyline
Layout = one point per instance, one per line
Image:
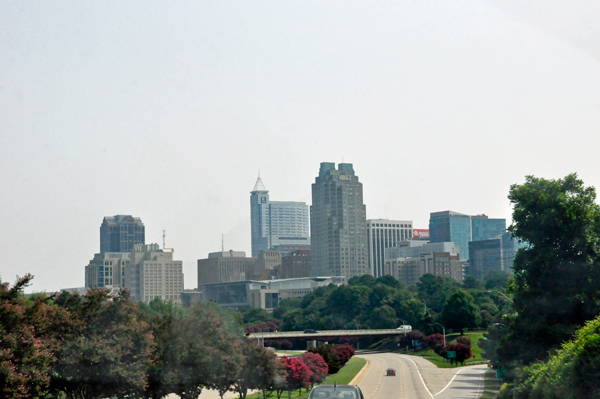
(166, 111)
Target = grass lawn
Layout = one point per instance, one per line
(290, 352)
(342, 377)
(451, 339)
(492, 385)
(347, 373)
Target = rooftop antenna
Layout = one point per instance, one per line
(164, 235)
(222, 243)
(259, 173)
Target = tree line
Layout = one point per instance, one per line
(367, 302)
(103, 345)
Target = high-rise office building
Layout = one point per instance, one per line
(153, 273)
(120, 233)
(382, 234)
(494, 254)
(276, 224)
(461, 229)
(338, 223)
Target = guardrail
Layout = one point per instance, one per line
(327, 333)
(477, 362)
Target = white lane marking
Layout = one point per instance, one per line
(457, 373)
(377, 389)
(420, 376)
(481, 384)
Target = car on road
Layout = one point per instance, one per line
(310, 331)
(336, 392)
(391, 372)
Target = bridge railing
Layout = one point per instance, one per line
(328, 333)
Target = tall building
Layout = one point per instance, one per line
(461, 229)
(153, 273)
(276, 224)
(107, 270)
(494, 254)
(485, 255)
(382, 234)
(338, 223)
(120, 233)
(147, 272)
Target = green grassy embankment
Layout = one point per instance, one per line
(342, 377)
(492, 385)
(289, 352)
(451, 339)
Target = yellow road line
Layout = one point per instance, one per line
(361, 373)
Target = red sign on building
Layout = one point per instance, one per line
(420, 233)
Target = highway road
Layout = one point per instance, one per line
(419, 379)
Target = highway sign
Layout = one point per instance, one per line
(451, 355)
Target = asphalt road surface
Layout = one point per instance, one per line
(418, 378)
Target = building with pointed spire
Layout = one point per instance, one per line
(280, 225)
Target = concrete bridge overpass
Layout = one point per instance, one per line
(327, 335)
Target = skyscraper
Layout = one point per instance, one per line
(276, 224)
(461, 229)
(382, 234)
(338, 223)
(119, 233)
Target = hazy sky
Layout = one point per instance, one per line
(166, 111)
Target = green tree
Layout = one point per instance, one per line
(161, 379)
(30, 330)
(460, 311)
(107, 349)
(349, 301)
(496, 279)
(256, 368)
(556, 285)
(383, 317)
(203, 345)
(471, 283)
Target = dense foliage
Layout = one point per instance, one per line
(572, 373)
(30, 331)
(557, 276)
(103, 345)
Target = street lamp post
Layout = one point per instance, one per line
(444, 331)
(504, 295)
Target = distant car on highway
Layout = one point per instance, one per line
(336, 392)
(310, 331)
(391, 372)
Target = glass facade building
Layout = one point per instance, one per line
(276, 223)
(120, 233)
(462, 229)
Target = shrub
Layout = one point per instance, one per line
(434, 340)
(343, 352)
(464, 340)
(330, 357)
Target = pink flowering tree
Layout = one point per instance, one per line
(317, 365)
